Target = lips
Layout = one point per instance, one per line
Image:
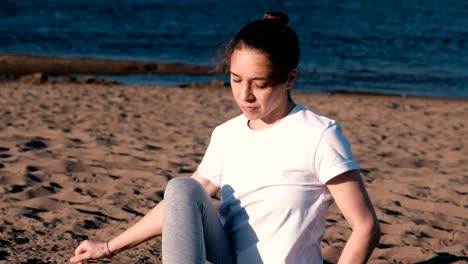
(249, 109)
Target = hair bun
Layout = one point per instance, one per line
(279, 16)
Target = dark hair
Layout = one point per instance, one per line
(272, 36)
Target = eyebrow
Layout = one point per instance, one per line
(256, 78)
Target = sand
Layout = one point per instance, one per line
(82, 161)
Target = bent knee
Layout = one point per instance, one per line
(180, 187)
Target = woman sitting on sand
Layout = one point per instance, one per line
(278, 167)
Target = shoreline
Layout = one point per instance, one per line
(18, 65)
(36, 69)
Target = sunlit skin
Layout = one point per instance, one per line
(263, 101)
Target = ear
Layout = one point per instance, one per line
(292, 77)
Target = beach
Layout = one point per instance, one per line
(103, 103)
(85, 160)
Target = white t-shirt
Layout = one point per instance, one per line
(274, 198)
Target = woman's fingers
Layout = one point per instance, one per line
(82, 252)
(81, 248)
(89, 249)
(79, 258)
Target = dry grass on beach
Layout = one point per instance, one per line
(86, 161)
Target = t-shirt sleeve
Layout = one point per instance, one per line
(333, 156)
(211, 166)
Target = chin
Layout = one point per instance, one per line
(251, 116)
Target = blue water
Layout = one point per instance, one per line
(393, 47)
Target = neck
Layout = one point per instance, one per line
(273, 119)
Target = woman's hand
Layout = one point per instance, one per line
(89, 250)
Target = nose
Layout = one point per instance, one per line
(246, 92)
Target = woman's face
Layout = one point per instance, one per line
(257, 95)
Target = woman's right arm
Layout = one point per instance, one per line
(148, 227)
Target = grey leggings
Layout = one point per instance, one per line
(192, 231)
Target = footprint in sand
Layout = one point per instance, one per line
(391, 212)
(16, 188)
(75, 236)
(444, 257)
(34, 144)
(40, 191)
(85, 192)
(32, 177)
(76, 141)
(89, 224)
(151, 147)
(4, 255)
(130, 210)
(32, 213)
(3, 149)
(32, 168)
(5, 156)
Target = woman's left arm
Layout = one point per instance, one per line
(352, 199)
